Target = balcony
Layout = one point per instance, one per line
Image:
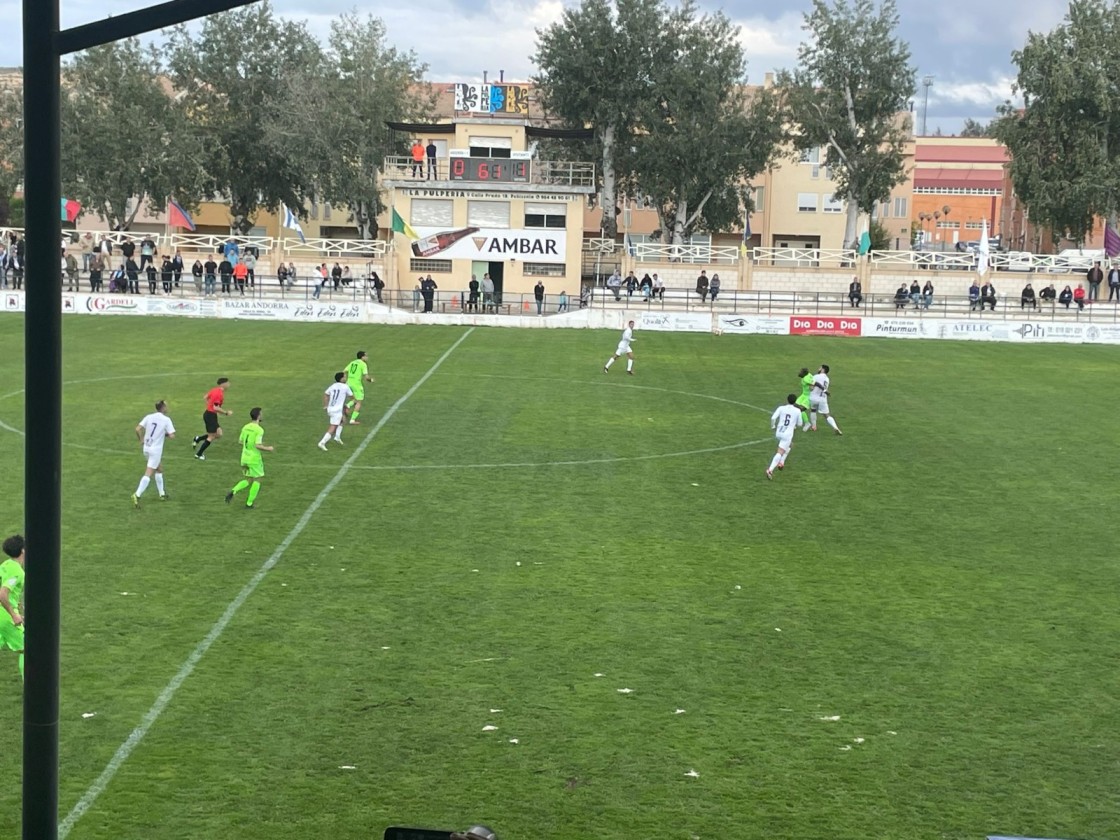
(490, 173)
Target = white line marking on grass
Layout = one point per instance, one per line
(133, 741)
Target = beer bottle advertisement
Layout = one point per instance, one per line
(437, 242)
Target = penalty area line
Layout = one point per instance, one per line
(133, 741)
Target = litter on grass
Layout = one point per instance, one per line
(846, 747)
(692, 774)
(858, 740)
(891, 732)
(679, 712)
(385, 647)
(598, 675)
(346, 766)
(489, 728)
(494, 711)
(513, 740)
(830, 717)
(88, 715)
(626, 691)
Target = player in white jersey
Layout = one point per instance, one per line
(152, 431)
(818, 400)
(784, 420)
(334, 402)
(623, 350)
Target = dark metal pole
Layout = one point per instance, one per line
(42, 417)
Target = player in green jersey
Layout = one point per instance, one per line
(803, 401)
(11, 597)
(357, 375)
(252, 462)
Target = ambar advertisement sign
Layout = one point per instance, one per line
(491, 244)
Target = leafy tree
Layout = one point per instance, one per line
(881, 239)
(124, 138)
(335, 114)
(11, 149)
(702, 137)
(231, 79)
(595, 67)
(846, 96)
(974, 128)
(1065, 140)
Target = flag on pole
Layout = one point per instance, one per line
(69, 210)
(982, 253)
(401, 226)
(1111, 241)
(864, 241)
(291, 222)
(178, 217)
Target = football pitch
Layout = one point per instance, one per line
(570, 605)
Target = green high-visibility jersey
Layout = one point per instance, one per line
(11, 576)
(251, 434)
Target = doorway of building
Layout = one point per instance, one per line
(496, 270)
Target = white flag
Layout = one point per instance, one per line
(982, 254)
(291, 222)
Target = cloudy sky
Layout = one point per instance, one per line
(966, 46)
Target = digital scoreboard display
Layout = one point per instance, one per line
(489, 169)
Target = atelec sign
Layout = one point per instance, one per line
(805, 325)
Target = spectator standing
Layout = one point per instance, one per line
(196, 273)
(702, 286)
(240, 276)
(231, 250)
(713, 287)
(88, 249)
(210, 273)
(563, 305)
(417, 294)
(431, 153)
(225, 271)
(1114, 284)
(538, 296)
(323, 279)
(488, 294)
(128, 251)
(167, 274)
(379, 284)
(1095, 277)
(250, 260)
(71, 272)
(177, 266)
(147, 251)
(105, 248)
(417, 153)
(95, 272)
(153, 276)
(428, 291)
(472, 294)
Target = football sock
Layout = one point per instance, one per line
(629, 364)
(804, 418)
(832, 423)
(812, 418)
(203, 446)
(782, 459)
(197, 438)
(144, 482)
(351, 404)
(159, 483)
(774, 461)
(326, 437)
(239, 486)
(354, 415)
(610, 362)
(253, 491)
(337, 434)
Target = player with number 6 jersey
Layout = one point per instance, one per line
(784, 421)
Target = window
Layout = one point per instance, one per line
(833, 204)
(900, 208)
(973, 225)
(816, 173)
(430, 266)
(758, 198)
(545, 215)
(946, 225)
(327, 212)
(806, 202)
(488, 214)
(956, 191)
(314, 214)
(531, 269)
(490, 147)
(812, 155)
(432, 212)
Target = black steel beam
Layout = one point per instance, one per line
(42, 498)
(137, 23)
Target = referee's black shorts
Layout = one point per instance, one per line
(210, 420)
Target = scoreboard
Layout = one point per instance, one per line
(489, 169)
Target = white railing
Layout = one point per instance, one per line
(210, 242)
(600, 245)
(334, 247)
(805, 257)
(708, 254)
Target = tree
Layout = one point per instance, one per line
(594, 68)
(846, 96)
(11, 149)
(974, 128)
(1064, 142)
(336, 114)
(124, 138)
(702, 137)
(231, 78)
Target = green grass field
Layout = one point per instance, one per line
(525, 534)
